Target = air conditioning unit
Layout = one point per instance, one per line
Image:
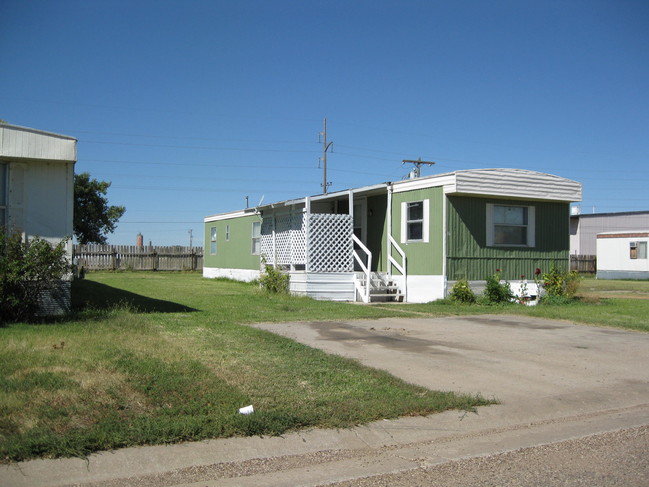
(633, 245)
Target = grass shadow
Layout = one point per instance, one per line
(88, 294)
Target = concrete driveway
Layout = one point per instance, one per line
(515, 359)
(558, 384)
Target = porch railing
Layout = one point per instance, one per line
(364, 292)
(402, 268)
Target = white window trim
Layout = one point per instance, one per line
(641, 249)
(425, 224)
(213, 237)
(253, 238)
(531, 226)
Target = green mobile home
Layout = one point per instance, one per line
(407, 240)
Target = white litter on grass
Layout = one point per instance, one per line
(247, 410)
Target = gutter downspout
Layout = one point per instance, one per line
(389, 245)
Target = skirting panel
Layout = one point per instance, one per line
(333, 286)
(640, 275)
(422, 289)
(245, 275)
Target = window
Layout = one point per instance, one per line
(227, 233)
(256, 238)
(213, 241)
(638, 250)
(414, 221)
(510, 226)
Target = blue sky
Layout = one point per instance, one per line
(188, 107)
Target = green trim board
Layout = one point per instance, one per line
(235, 251)
(469, 256)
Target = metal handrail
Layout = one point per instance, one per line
(366, 268)
(402, 268)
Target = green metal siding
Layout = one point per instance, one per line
(235, 253)
(424, 258)
(469, 257)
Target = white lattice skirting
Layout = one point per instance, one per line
(330, 243)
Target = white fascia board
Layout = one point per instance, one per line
(230, 215)
(320, 197)
(298, 201)
(345, 192)
(371, 189)
(445, 180)
(36, 131)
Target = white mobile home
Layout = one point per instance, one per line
(37, 189)
(622, 255)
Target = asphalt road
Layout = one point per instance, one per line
(574, 411)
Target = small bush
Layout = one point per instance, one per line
(462, 292)
(27, 269)
(558, 283)
(496, 292)
(273, 280)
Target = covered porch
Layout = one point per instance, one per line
(332, 245)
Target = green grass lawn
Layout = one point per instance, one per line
(616, 303)
(155, 358)
(630, 314)
(151, 358)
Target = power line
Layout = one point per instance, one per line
(168, 146)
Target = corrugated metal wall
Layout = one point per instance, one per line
(469, 257)
(588, 226)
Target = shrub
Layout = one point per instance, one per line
(27, 270)
(496, 292)
(462, 293)
(273, 280)
(558, 283)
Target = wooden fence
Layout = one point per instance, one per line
(134, 258)
(583, 263)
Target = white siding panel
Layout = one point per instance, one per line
(245, 275)
(334, 286)
(422, 289)
(587, 226)
(25, 143)
(48, 199)
(613, 253)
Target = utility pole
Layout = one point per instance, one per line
(326, 146)
(418, 163)
(191, 236)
